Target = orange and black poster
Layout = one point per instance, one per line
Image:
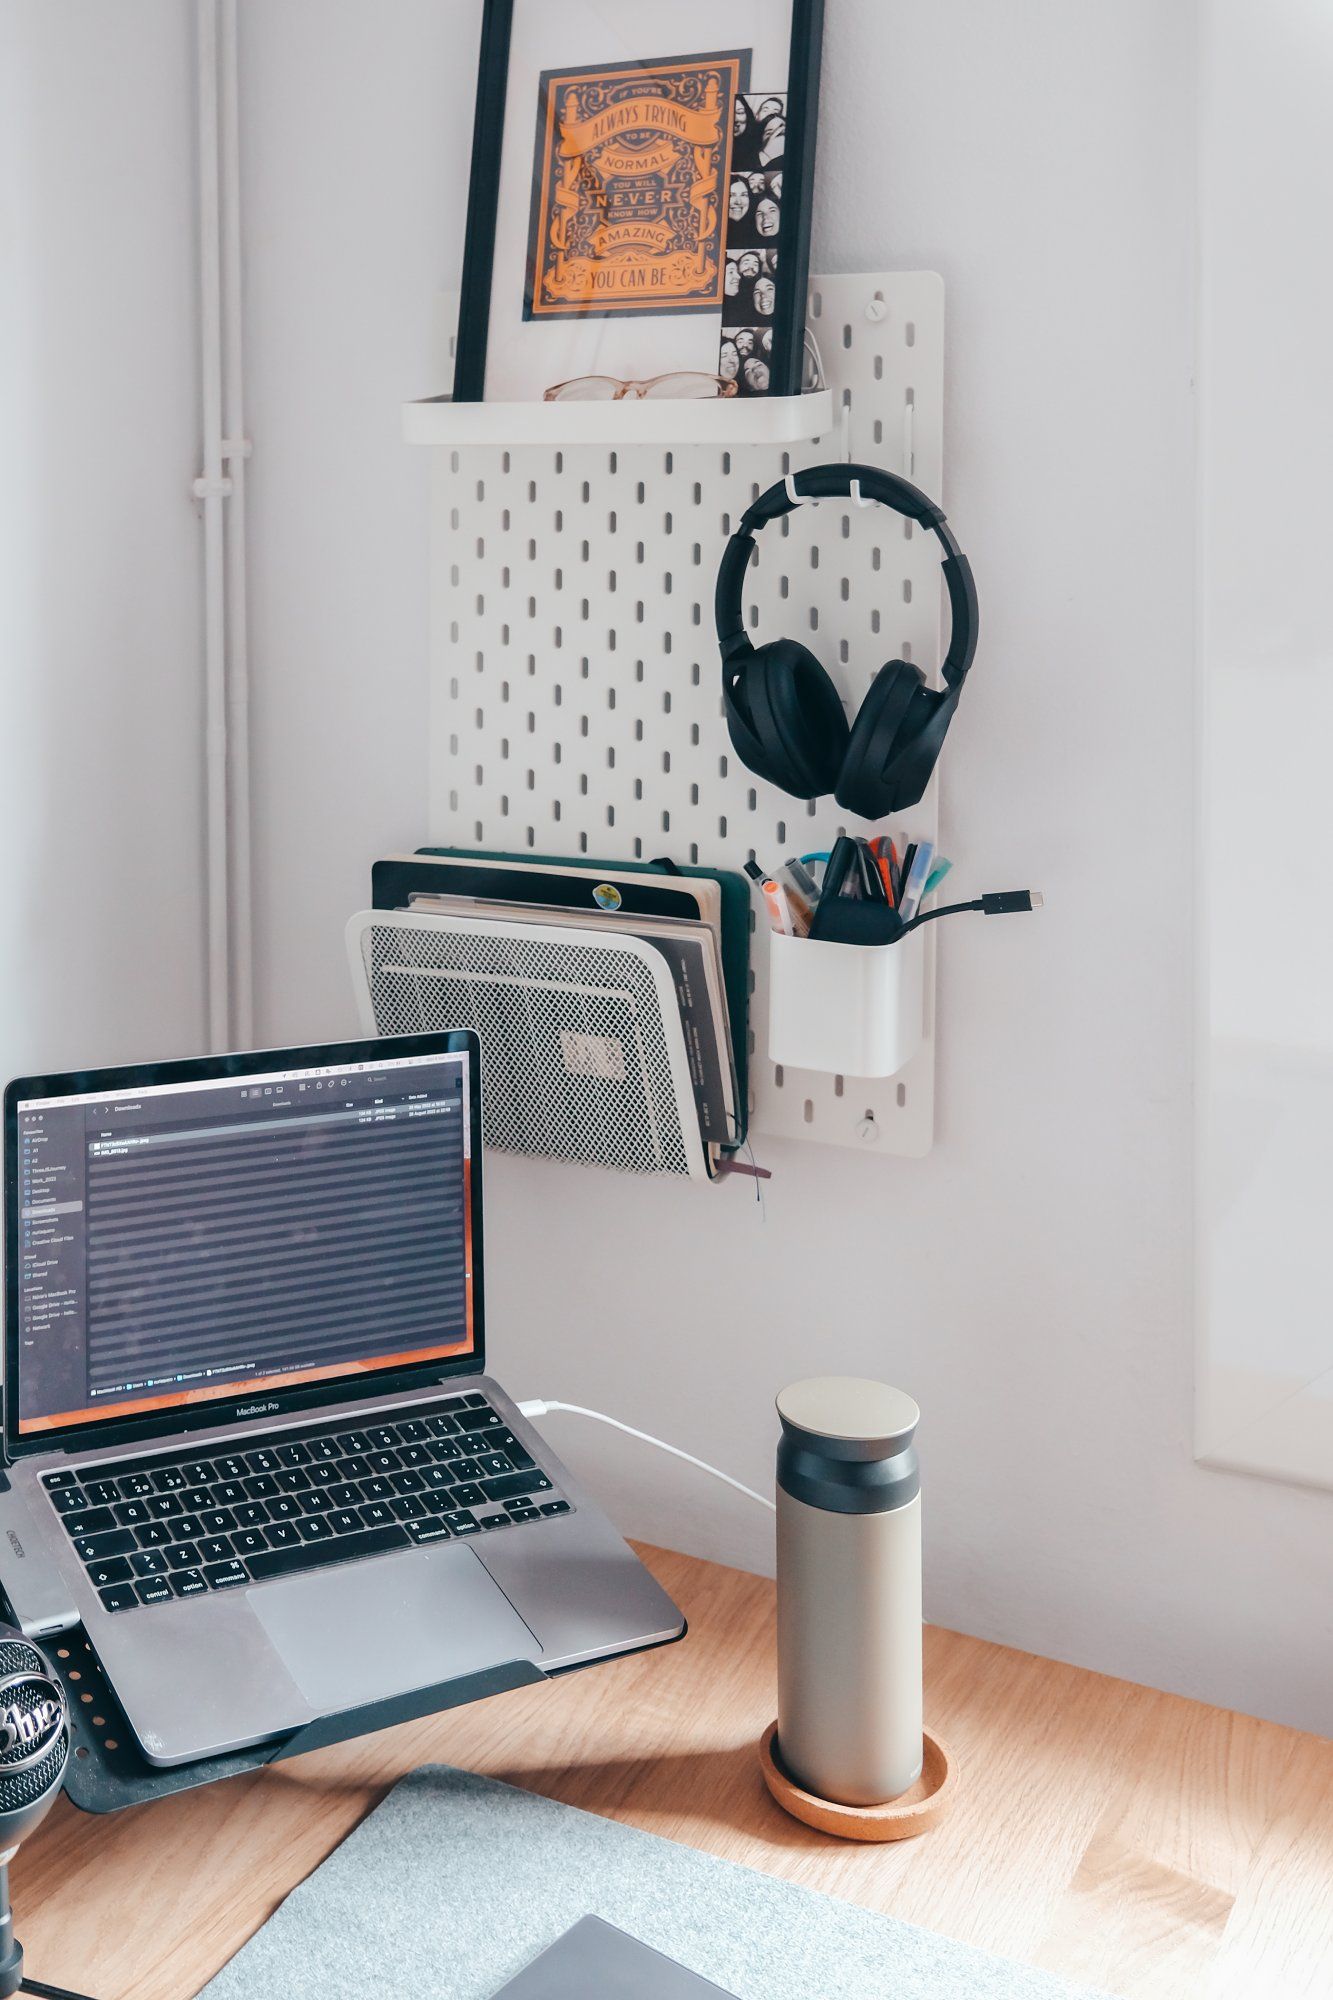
(629, 193)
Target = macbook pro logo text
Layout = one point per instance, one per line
(254, 1409)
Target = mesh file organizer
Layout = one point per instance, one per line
(583, 1052)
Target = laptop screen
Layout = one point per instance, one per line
(186, 1242)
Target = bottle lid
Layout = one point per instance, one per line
(870, 1418)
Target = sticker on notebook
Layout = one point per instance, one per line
(607, 896)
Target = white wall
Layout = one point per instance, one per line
(1030, 1281)
(100, 827)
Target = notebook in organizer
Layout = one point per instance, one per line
(595, 1961)
(691, 952)
(394, 882)
(583, 1053)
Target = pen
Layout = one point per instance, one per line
(801, 904)
(914, 884)
(779, 910)
(801, 878)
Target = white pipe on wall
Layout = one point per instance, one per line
(237, 450)
(210, 489)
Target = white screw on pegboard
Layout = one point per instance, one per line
(876, 310)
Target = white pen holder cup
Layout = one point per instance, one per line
(852, 1009)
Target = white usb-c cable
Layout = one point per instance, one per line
(537, 1408)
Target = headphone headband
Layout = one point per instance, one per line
(837, 481)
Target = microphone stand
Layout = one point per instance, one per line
(11, 1954)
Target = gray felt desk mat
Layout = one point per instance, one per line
(455, 1882)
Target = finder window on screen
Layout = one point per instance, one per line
(195, 1241)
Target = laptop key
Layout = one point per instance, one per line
(70, 1500)
(325, 1472)
(151, 1562)
(326, 1449)
(442, 1427)
(230, 1493)
(495, 1520)
(216, 1549)
(188, 1583)
(460, 1521)
(101, 1492)
(155, 1535)
(409, 1508)
(262, 1487)
(53, 1481)
(468, 1495)
(345, 1521)
(183, 1556)
(232, 1468)
(292, 1454)
(169, 1479)
(90, 1521)
(412, 1432)
(438, 1475)
(262, 1461)
(340, 1548)
(199, 1472)
(282, 1535)
(413, 1454)
(249, 1541)
(384, 1461)
(479, 1420)
(131, 1513)
(314, 1529)
(136, 1486)
(520, 1511)
(432, 1529)
(466, 1468)
(407, 1482)
(555, 1507)
(316, 1501)
(384, 1438)
(377, 1514)
(495, 1463)
(226, 1575)
(91, 1548)
(253, 1515)
(188, 1527)
(292, 1479)
(108, 1570)
(515, 1483)
(164, 1506)
(356, 1441)
(120, 1597)
(284, 1508)
(347, 1495)
(354, 1467)
(377, 1489)
(157, 1590)
(476, 1401)
(218, 1520)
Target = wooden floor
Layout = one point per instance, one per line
(1146, 1845)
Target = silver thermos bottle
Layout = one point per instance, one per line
(849, 1590)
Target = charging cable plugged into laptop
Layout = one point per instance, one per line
(536, 1408)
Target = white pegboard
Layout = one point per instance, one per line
(576, 685)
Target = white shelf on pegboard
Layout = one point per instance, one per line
(576, 700)
(639, 420)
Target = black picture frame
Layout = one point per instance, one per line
(792, 243)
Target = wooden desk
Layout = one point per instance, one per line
(1143, 1843)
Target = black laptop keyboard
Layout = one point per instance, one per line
(179, 1524)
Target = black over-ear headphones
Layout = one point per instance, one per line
(786, 717)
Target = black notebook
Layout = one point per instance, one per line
(595, 1959)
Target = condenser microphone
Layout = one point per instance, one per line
(34, 1750)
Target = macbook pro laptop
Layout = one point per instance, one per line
(250, 1443)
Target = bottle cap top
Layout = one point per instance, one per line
(852, 1409)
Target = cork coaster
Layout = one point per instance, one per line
(917, 1811)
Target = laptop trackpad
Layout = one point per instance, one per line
(365, 1630)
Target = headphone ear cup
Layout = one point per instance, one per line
(793, 730)
(920, 740)
(864, 785)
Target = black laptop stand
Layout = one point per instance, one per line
(107, 1770)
